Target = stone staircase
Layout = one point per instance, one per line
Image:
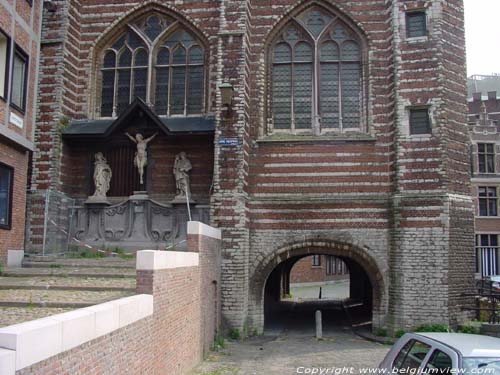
(48, 286)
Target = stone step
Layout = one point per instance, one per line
(69, 272)
(68, 283)
(57, 298)
(113, 263)
(15, 315)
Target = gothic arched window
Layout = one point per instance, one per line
(158, 60)
(316, 75)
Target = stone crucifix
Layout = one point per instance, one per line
(141, 155)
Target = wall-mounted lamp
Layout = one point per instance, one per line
(227, 91)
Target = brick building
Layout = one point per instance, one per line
(19, 50)
(313, 128)
(317, 269)
(484, 124)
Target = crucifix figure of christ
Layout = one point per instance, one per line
(141, 155)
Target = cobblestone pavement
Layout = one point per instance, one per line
(292, 353)
(62, 282)
(59, 296)
(15, 315)
(71, 271)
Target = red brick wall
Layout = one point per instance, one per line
(304, 272)
(21, 25)
(171, 341)
(13, 239)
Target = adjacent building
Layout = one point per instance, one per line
(484, 125)
(20, 22)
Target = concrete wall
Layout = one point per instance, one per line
(166, 329)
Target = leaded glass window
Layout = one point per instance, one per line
(157, 60)
(316, 75)
(180, 76)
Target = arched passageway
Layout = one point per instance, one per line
(356, 305)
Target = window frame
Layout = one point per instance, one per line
(413, 13)
(316, 261)
(5, 94)
(18, 51)
(11, 171)
(487, 198)
(316, 127)
(428, 130)
(486, 155)
(152, 49)
(482, 250)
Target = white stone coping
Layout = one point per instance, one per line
(151, 260)
(24, 344)
(15, 258)
(197, 228)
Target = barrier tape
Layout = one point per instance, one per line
(74, 239)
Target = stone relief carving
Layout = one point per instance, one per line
(139, 222)
(141, 155)
(182, 167)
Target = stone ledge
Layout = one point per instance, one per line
(7, 362)
(154, 260)
(15, 258)
(65, 331)
(197, 228)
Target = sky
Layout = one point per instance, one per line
(482, 32)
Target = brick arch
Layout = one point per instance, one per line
(359, 254)
(118, 26)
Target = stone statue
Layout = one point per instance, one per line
(182, 166)
(102, 176)
(141, 155)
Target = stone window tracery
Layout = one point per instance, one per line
(158, 60)
(316, 75)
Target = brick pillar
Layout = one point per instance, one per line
(431, 256)
(229, 199)
(206, 241)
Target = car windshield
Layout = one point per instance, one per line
(486, 365)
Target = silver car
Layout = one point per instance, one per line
(443, 353)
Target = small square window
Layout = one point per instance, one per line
(6, 181)
(19, 80)
(419, 121)
(416, 24)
